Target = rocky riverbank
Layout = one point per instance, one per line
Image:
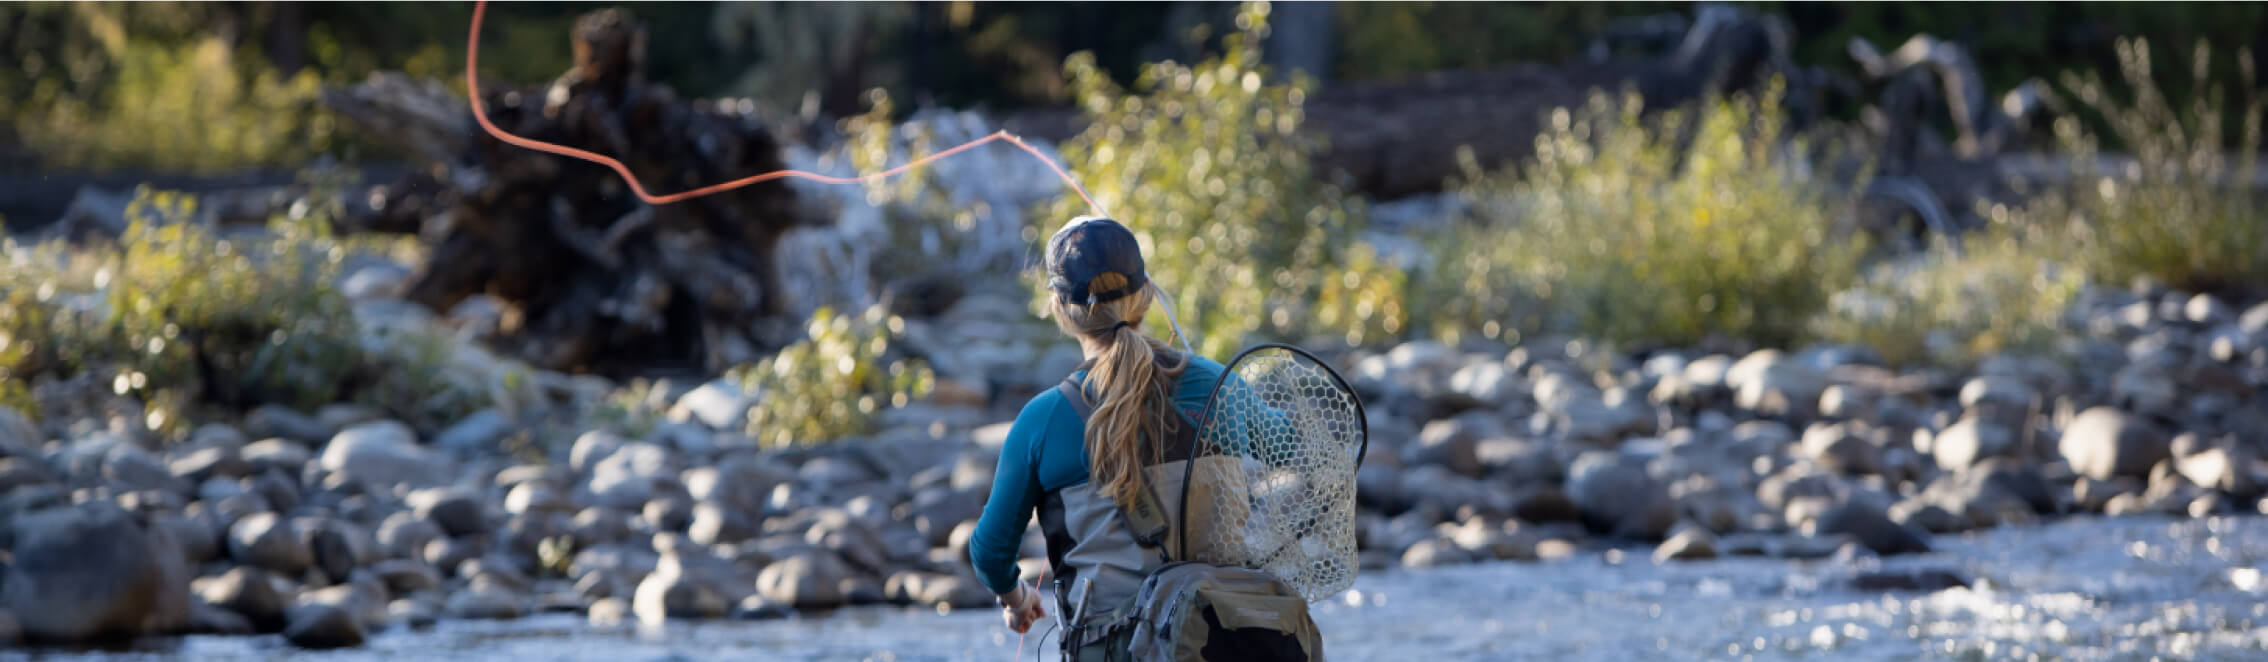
(329, 526)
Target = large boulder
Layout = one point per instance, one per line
(1615, 495)
(2103, 443)
(383, 453)
(89, 572)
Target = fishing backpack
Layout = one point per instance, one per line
(1182, 611)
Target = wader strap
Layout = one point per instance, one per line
(1146, 519)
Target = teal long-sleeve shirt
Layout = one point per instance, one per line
(1046, 451)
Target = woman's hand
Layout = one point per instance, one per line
(1022, 608)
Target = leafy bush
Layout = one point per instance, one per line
(831, 384)
(1999, 291)
(2183, 212)
(1203, 163)
(186, 108)
(1616, 231)
(196, 325)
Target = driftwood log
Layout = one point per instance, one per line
(592, 278)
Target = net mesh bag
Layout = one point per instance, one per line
(1271, 484)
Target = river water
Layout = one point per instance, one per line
(2086, 588)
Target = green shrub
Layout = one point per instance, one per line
(1614, 231)
(2000, 291)
(1204, 164)
(831, 384)
(198, 326)
(2183, 212)
(186, 108)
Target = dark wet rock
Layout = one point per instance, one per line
(271, 421)
(407, 576)
(447, 552)
(198, 534)
(204, 618)
(249, 593)
(1866, 521)
(1838, 447)
(1615, 495)
(669, 513)
(810, 580)
(1435, 552)
(2103, 443)
(382, 453)
(331, 552)
(22, 471)
(759, 608)
(280, 491)
(203, 464)
(1689, 543)
(269, 541)
(365, 600)
(2095, 495)
(132, 468)
(1544, 503)
(1969, 441)
(1379, 486)
(89, 572)
(322, 626)
(457, 511)
(1927, 516)
(484, 601)
(1925, 580)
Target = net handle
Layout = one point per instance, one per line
(1212, 397)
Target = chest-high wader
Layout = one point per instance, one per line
(1100, 553)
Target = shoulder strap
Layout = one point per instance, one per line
(1146, 519)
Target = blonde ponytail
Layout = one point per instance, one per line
(1131, 383)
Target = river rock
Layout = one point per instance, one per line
(836, 531)
(202, 464)
(277, 453)
(674, 595)
(485, 601)
(416, 613)
(809, 580)
(609, 612)
(1969, 441)
(1435, 552)
(599, 525)
(1616, 495)
(89, 572)
(476, 433)
(536, 498)
(1838, 447)
(271, 421)
(269, 541)
(2219, 468)
(1866, 521)
(204, 618)
(1451, 443)
(23, 471)
(407, 576)
(592, 447)
(131, 468)
(1925, 515)
(248, 592)
(1689, 543)
(457, 511)
(760, 608)
(2102, 443)
(1769, 383)
(323, 626)
(1925, 580)
(404, 535)
(715, 523)
(382, 453)
(1485, 384)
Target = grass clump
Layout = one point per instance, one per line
(833, 383)
(2183, 212)
(1621, 231)
(1949, 306)
(1206, 166)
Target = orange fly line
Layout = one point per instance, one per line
(480, 114)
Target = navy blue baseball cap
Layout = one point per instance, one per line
(1084, 251)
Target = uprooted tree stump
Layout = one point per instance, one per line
(591, 278)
